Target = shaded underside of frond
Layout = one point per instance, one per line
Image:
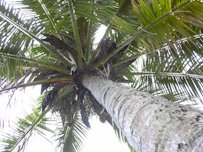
(175, 69)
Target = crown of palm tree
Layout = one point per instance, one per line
(154, 46)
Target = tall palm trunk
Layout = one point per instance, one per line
(150, 123)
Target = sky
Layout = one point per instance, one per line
(101, 137)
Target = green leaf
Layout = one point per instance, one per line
(34, 122)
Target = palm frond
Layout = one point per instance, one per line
(89, 35)
(75, 32)
(109, 16)
(74, 136)
(61, 80)
(28, 62)
(71, 137)
(34, 122)
(10, 40)
(46, 11)
(30, 31)
(162, 21)
(32, 36)
(156, 30)
(20, 28)
(173, 71)
(16, 54)
(53, 13)
(121, 137)
(72, 130)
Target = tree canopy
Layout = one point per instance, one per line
(155, 46)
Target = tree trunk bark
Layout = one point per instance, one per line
(150, 123)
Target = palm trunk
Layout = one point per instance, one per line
(150, 123)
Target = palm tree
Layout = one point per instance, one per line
(154, 47)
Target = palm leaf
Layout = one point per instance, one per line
(46, 11)
(10, 39)
(31, 35)
(71, 137)
(55, 16)
(162, 19)
(154, 29)
(75, 32)
(65, 80)
(121, 137)
(34, 122)
(74, 136)
(173, 71)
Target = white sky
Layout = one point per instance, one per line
(100, 138)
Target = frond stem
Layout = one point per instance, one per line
(169, 74)
(88, 43)
(31, 128)
(40, 63)
(61, 80)
(110, 23)
(75, 32)
(134, 57)
(32, 36)
(47, 14)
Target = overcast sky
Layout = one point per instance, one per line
(100, 138)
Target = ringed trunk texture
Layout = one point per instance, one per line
(150, 123)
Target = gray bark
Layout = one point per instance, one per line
(150, 123)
